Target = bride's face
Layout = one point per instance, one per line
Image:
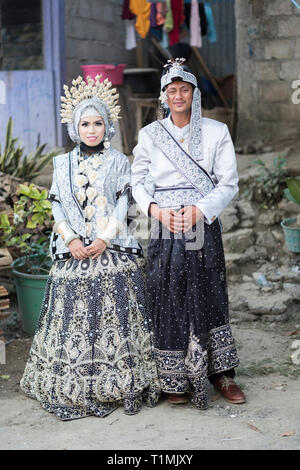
(91, 130)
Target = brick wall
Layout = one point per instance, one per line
(268, 61)
(95, 33)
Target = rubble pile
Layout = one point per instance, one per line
(263, 276)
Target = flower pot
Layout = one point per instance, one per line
(114, 72)
(30, 293)
(292, 234)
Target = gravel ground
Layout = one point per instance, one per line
(269, 420)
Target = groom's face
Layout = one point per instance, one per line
(180, 96)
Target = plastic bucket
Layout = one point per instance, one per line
(114, 73)
(292, 234)
(30, 293)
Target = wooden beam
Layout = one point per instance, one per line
(210, 76)
(139, 53)
(164, 52)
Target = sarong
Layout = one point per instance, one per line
(188, 297)
(93, 348)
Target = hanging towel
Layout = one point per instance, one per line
(169, 25)
(195, 28)
(126, 12)
(130, 35)
(176, 6)
(211, 30)
(141, 8)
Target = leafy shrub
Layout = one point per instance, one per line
(268, 186)
(13, 162)
(27, 231)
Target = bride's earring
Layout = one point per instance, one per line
(106, 143)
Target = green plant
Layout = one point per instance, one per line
(268, 186)
(28, 230)
(13, 162)
(292, 192)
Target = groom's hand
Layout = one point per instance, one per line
(170, 218)
(190, 216)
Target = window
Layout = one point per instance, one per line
(21, 38)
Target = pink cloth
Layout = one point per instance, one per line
(195, 28)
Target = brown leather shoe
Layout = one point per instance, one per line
(177, 399)
(227, 387)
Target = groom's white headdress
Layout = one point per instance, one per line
(177, 72)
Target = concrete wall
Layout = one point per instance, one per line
(268, 62)
(95, 33)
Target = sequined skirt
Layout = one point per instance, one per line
(189, 303)
(93, 350)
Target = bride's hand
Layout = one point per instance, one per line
(96, 248)
(78, 250)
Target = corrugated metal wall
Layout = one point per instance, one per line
(220, 56)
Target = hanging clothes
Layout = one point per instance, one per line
(161, 13)
(153, 13)
(177, 12)
(126, 12)
(130, 42)
(141, 8)
(169, 25)
(211, 30)
(195, 28)
(203, 20)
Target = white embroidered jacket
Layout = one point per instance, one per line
(111, 183)
(218, 158)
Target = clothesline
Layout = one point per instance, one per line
(167, 20)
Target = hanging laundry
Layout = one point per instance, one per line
(165, 40)
(176, 6)
(203, 20)
(195, 28)
(169, 25)
(126, 12)
(141, 8)
(211, 29)
(130, 42)
(153, 13)
(161, 13)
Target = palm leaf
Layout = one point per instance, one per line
(294, 188)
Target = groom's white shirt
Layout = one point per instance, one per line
(218, 158)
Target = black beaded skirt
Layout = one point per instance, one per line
(93, 348)
(188, 298)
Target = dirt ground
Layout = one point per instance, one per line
(269, 420)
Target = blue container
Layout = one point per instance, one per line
(292, 234)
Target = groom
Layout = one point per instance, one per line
(190, 163)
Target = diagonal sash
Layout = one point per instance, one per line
(180, 159)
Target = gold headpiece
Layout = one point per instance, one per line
(93, 89)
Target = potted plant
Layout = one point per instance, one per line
(26, 233)
(291, 226)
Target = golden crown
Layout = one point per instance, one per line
(92, 89)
